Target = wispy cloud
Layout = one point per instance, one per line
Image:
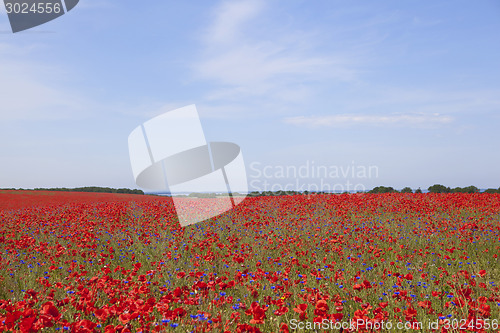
(244, 63)
(28, 91)
(412, 120)
(229, 20)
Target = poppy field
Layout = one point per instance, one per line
(317, 263)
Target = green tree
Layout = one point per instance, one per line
(468, 189)
(471, 189)
(438, 188)
(382, 189)
(202, 195)
(407, 190)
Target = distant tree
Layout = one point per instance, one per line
(407, 190)
(471, 189)
(468, 189)
(418, 190)
(438, 188)
(492, 190)
(202, 195)
(382, 189)
(92, 189)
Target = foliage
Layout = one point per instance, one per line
(382, 189)
(438, 188)
(468, 189)
(95, 189)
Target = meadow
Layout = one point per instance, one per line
(320, 263)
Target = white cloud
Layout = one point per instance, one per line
(245, 62)
(246, 65)
(230, 18)
(413, 120)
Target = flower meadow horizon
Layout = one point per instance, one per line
(359, 262)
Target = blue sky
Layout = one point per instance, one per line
(410, 87)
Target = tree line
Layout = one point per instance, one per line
(96, 189)
(436, 188)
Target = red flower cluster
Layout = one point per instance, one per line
(122, 263)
